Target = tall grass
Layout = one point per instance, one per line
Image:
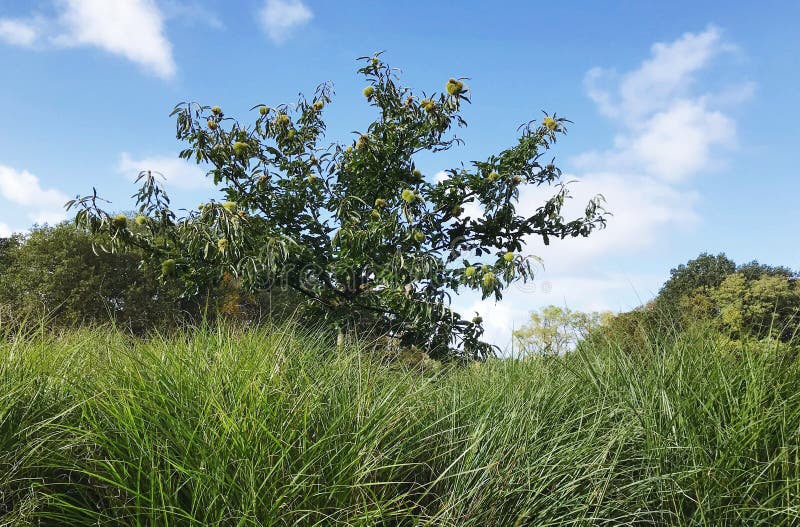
(273, 427)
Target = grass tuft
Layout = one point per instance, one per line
(222, 426)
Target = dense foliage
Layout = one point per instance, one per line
(355, 228)
(55, 276)
(699, 275)
(742, 302)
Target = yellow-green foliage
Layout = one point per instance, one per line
(554, 330)
(761, 307)
(747, 301)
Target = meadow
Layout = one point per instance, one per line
(272, 426)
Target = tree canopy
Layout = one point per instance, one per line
(54, 275)
(747, 301)
(554, 330)
(703, 273)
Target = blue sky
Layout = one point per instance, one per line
(684, 113)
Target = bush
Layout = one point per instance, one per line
(60, 275)
(54, 274)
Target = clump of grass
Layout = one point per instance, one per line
(271, 426)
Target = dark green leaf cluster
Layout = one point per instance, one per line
(53, 276)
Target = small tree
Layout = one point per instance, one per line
(355, 228)
(556, 330)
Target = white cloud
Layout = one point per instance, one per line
(668, 136)
(133, 29)
(281, 17)
(5, 231)
(642, 208)
(672, 145)
(178, 173)
(25, 190)
(667, 75)
(18, 32)
(668, 133)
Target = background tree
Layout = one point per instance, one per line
(555, 330)
(53, 274)
(633, 331)
(768, 306)
(754, 270)
(748, 301)
(355, 228)
(700, 275)
(7, 247)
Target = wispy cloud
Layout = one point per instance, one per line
(668, 74)
(21, 188)
(133, 29)
(666, 131)
(280, 18)
(23, 33)
(668, 134)
(190, 12)
(178, 173)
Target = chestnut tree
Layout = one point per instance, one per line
(356, 229)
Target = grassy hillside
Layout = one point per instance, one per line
(270, 427)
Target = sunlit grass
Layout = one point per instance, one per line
(273, 427)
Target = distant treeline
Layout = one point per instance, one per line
(747, 302)
(60, 275)
(750, 301)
